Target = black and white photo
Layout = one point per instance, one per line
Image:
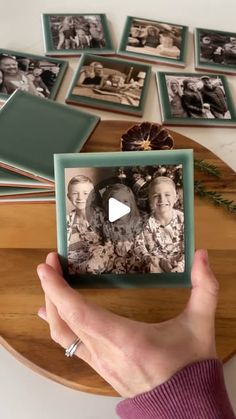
(73, 34)
(111, 84)
(138, 242)
(125, 218)
(152, 40)
(215, 50)
(36, 75)
(196, 98)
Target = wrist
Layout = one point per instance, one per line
(198, 390)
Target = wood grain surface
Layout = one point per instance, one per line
(28, 232)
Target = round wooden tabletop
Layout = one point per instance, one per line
(28, 232)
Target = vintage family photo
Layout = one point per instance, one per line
(197, 98)
(110, 84)
(149, 239)
(32, 74)
(216, 49)
(76, 33)
(156, 39)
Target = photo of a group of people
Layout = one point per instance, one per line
(157, 38)
(217, 48)
(28, 73)
(197, 97)
(149, 239)
(77, 31)
(154, 41)
(72, 34)
(101, 82)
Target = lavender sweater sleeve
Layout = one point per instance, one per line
(196, 392)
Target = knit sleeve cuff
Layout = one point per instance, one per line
(196, 391)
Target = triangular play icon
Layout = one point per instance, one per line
(116, 209)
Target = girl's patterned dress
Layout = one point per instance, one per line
(117, 254)
(120, 239)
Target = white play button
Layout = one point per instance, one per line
(116, 209)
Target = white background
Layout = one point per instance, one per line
(23, 393)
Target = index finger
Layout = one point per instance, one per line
(75, 310)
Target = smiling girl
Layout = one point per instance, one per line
(117, 255)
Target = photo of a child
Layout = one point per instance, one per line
(33, 74)
(107, 82)
(149, 238)
(77, 31)
(82, 237)
(121, 233)
(161, 243)
(157, 39)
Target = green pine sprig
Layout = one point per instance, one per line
(215, 197)
(207, 168)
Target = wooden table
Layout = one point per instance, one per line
(28, 232)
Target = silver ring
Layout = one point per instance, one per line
(69, 352)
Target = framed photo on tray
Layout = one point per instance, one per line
(154, 41)
(125, 219)
(197, 99)
(34, 74)
(71, 34)
(110, 84)
(215, 50)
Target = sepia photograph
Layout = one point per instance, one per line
(195, 99)
(74, 34)
(124, 219)
(110, 84)
(215, 50)
(154, 41)
(31, 73)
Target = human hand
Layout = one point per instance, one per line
(134, 357)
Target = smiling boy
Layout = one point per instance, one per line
(161, 243)
(82, 236)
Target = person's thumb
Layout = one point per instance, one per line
(204, 293)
